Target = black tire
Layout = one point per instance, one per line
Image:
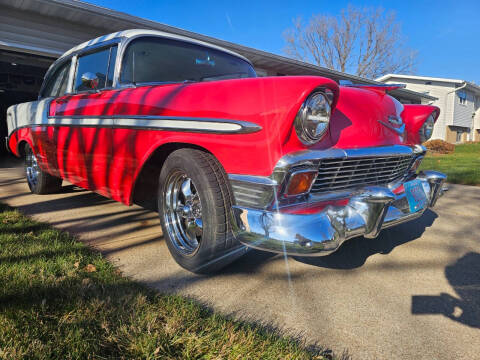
(216, 246)
(39, 181)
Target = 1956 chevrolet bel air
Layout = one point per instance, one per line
(292, 164)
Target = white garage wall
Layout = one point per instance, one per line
(27, 32)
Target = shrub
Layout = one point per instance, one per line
(439, 146)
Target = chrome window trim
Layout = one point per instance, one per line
(57, 64)
(109, 64)
(73, 68)
(92, 50)
(122, 43)
(73, 57)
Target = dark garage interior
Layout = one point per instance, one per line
(21, 77)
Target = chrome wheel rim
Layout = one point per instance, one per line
(32, 169)
(182, 211)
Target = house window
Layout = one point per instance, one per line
(462, 97)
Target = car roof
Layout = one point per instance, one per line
(139, 32)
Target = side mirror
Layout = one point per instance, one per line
(90, 80)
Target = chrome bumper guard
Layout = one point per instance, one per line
(367, 212)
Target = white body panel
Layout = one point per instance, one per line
(26, 114)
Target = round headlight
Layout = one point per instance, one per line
(313, 117)
(426, 130)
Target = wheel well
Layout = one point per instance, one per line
(146, 184)
(21, 148)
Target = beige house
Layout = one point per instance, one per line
(458, 100)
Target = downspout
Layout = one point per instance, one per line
(472, 138)
(446, 99)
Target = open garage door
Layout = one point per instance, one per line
(21, 76)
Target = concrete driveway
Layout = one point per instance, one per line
(413, 293)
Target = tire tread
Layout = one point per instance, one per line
(219, 186)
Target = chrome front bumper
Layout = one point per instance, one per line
(367, 211)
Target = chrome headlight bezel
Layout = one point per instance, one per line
(313, 117)
(426, 131)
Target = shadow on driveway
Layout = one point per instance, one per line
(354, 252)
(464, 277)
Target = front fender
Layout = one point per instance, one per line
(414, 116)
(271, 103)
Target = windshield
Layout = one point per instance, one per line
(155, 59)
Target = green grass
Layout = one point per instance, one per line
(61, 300)
(461, 167)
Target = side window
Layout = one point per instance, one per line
(57, 82)
(101, 64)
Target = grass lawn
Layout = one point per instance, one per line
(60, 300)
(461, 167)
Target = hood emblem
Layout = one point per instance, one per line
(395, 123)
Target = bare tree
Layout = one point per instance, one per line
(363, 41)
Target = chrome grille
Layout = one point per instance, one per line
(344, 173)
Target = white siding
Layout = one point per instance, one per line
(464, 112)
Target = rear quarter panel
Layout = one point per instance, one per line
(20, 120)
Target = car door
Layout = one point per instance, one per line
(37, 114)
(83, 121)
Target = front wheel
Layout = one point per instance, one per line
(39, 181)
(194, 202)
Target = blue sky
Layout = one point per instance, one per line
(446, 34)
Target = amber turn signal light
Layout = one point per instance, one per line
(300, 182)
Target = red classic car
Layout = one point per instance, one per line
(291, 164)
